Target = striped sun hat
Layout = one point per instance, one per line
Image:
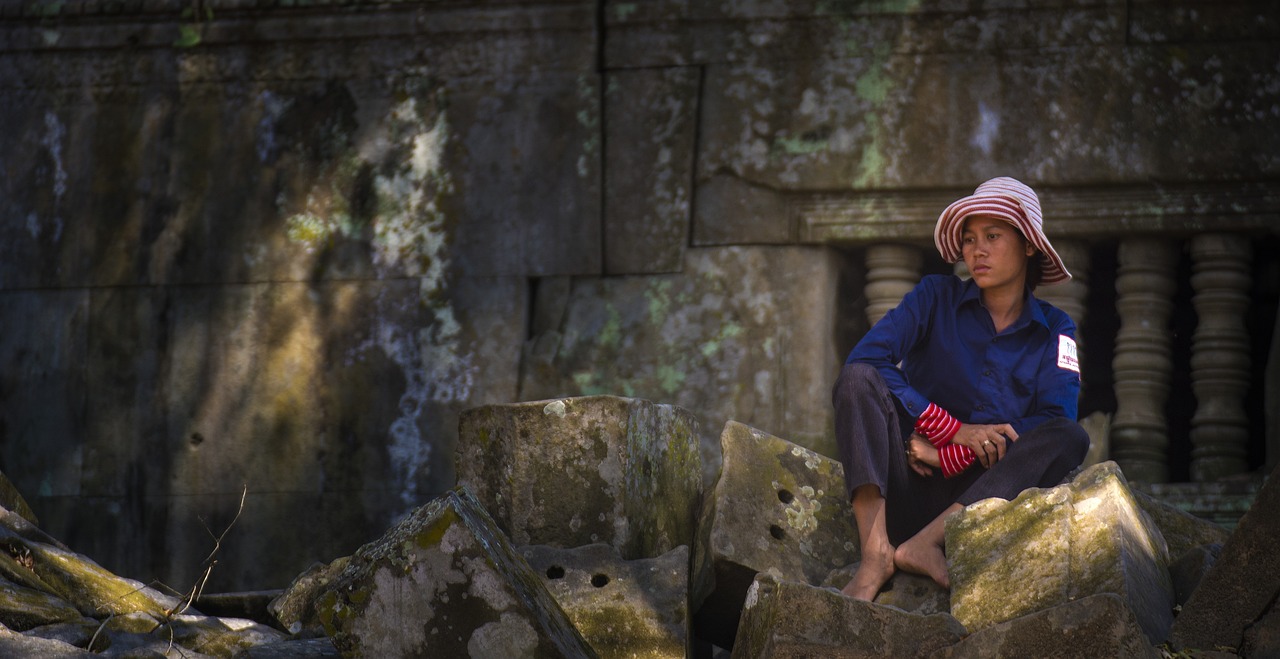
(1006, 199)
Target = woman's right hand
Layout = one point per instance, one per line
(987, 441)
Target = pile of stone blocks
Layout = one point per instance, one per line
(580, 527)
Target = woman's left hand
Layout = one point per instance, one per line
(922, 456)
(986, 441)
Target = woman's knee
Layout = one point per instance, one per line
(1070, 437)
(856, 380)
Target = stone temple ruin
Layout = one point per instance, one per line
(582, 527)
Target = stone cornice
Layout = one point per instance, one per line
(1081, 213)
(62, 25)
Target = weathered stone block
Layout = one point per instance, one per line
(538, 138)
(133, 623)
(778, 508)
(1243, 583)
(13, 644)
(788, 619)
(244, 605)
(46, 396)
(743, 333)
(1096, 626)
(220, 637)
(733, 211)
(445, 582)
(1188, 570)
(294, 609)
(912, 593)
(336, 398)
(23, 608)
(1181, 530)
(80, 633)
(310, 648)
(82, 583)
(624, 609)
(651, 125)
(1052, 545)
(1262, 638)
(12, 501)
(879, 118)
(577, 471)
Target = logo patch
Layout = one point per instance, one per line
(1067, 357)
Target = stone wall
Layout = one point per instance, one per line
(278, 246)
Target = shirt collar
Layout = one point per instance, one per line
(1031, 310)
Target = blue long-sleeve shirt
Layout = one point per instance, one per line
(951, 355)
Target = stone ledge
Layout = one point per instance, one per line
(1222, 502)
(1084, 212)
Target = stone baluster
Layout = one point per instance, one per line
(1070, 296)
(1220, 355)
(1143, 365)
(892, 271)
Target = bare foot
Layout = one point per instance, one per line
(874, 570)
(920, 556)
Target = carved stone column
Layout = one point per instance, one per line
(1220, 355)
(1142, 365)
(1071, 296)
(892, 271)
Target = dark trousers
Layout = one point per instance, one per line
(872, 431)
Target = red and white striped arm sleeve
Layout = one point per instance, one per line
(937, 425)
(955, 459)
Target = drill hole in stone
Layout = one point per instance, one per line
(600, 580)
(777, 532)
(555, 572)
(786, 497)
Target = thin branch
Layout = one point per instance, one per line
(198, 588)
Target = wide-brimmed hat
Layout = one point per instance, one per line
(1006, 199)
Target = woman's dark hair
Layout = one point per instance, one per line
(1035, 263)
(1035, 270)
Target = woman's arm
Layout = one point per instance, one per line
(894, 336)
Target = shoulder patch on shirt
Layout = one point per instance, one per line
(1067, 357)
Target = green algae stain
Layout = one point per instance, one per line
(874, 161)
(307, 228)
(611, 333)
(330, 611)
(587, 385)
(658, 297)
(801, 146)
(624, 10)
(431, 535)
(873, 86)
(46, 9)
(188, 36)
(670, 378)
(729, 330)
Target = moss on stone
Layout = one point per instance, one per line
(92, 589)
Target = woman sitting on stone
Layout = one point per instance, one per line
(967, 390)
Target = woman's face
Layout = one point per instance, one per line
(996, 253)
